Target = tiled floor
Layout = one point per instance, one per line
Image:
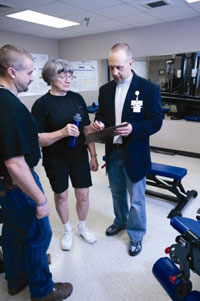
(104, 271)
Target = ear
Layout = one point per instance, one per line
(131, 62)
(11, 72)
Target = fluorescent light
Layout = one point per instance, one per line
(38, 18)
(191, 1)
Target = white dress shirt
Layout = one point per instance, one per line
(120, 96)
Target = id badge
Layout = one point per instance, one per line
(136, 105)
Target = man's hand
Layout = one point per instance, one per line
(43, 211)
(98, 125)
(124, 130)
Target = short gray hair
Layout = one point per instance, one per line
(53, 67)
(13, 56)
(125, 47)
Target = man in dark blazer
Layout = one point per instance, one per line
(135, 103)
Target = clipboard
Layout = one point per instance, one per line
(103, 135)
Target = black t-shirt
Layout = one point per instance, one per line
(18, 131)
(52, 113)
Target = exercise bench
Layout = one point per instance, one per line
(169, 178)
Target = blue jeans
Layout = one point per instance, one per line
(25, 243)
(132, 217)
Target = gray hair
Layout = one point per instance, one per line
(53, 67)
(13, 56)
(123, 46)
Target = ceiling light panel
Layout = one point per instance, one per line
(192, 1)
(42, 19)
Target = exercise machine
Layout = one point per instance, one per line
(174, 273)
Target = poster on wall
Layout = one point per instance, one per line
(85, 76)
(38, 86)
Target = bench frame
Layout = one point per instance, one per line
(181, 197)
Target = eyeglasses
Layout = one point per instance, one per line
(66, 77)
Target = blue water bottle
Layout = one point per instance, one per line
(77, 121)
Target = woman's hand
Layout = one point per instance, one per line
(94, 164)
(70, 130)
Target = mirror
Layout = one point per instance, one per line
(179, 78)
(176, 73)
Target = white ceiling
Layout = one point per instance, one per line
(104, 15)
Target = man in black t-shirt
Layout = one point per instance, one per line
(26, 230)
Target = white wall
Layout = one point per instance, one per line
(32, 44)
(179, 135)
(170, 37)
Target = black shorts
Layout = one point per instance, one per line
(59, 171)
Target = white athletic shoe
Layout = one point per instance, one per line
(87, 235)
(66, 242)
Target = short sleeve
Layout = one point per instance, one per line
(86, 115)
(39, 115)
(14, 132)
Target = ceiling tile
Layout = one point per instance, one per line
(195, 6)
(25, 4)
(173, 12)
(177, 18)
(142, 19)
(92, 4)
(93, 18)
(118, 11)
(58, 9)
(111, 24)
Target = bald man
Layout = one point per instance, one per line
(135, 102)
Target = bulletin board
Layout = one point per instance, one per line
(38, 86)
(85, 76)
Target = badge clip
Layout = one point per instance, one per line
(136, 104)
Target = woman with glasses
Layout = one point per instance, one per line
(54, 113)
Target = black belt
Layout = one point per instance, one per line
(8, 183)
(118, 145)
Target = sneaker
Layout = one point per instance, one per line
(87, 235)
(66, 242)
(60, 292)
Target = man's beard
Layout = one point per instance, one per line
(21, 88)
